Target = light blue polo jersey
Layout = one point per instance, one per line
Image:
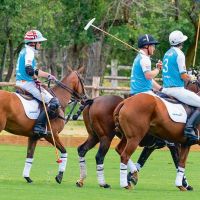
(26, 56)
(139, 83)
(173, 67)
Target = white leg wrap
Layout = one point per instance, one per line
(27, 167)
(123, 175)
(63, 164)
(100, 174)
(131, 166)
(179, 176)
(83, 169)
(138, 166)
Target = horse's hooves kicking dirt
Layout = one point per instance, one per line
(105, 186)
(28, 179)
(181, 188)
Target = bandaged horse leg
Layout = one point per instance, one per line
(63, 157)
(27, 169)
(174, 150)
(132, 176)
(153, 143)
(61, 167)
(130, 147)
(102, 151)
(181, 168)
(29, 159)
(82, 150)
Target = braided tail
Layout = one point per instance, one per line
(116, 117)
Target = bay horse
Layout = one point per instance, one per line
(14, 120)
(99, 122)
(148, 116)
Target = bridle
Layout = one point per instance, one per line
(75, 95)
(196, 84)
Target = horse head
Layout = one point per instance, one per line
(70, 87)
(194, 86)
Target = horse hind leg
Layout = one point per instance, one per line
(91, 141)
(29, 159)
(130, 147)
(181, 168)
(102, 151)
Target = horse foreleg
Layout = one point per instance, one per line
(181, 168)
(29, 159)
(102, 151)
(63, 156)
(91, 141)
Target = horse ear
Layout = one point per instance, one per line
(69, 69)
(81, 69)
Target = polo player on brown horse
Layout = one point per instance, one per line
(19, 119)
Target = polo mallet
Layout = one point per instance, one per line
(45, 109)
(196, 44)
(90, 23)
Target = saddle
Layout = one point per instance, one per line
(26, 95)
(189, 109)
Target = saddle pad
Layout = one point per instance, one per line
(176, 112)
(31, 107)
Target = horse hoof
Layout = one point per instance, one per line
(128, 187)
(28, 179)
(189, 188)
(79, 184)
(132, 177)
(59, 177)
(181, 188)
(105, 186)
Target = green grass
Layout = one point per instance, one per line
(156, 180)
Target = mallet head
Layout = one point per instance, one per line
(89, 24)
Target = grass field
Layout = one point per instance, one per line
(156, 180)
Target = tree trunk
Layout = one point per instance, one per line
(11, 64)
(3, 61)
(191, 50)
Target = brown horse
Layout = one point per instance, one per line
(149, 115)
(14, 120)
(98, 119)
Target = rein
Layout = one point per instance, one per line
(76, 97)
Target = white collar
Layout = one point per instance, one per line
(143, 53)
(31, 48)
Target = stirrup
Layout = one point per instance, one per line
(40, 131)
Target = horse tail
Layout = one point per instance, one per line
(86, 103)
(116, 117)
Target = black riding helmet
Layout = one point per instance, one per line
(146, 40)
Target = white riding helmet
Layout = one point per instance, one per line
(177, 37)
(34, 36)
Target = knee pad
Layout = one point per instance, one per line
(54, 104)
(53, 108)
